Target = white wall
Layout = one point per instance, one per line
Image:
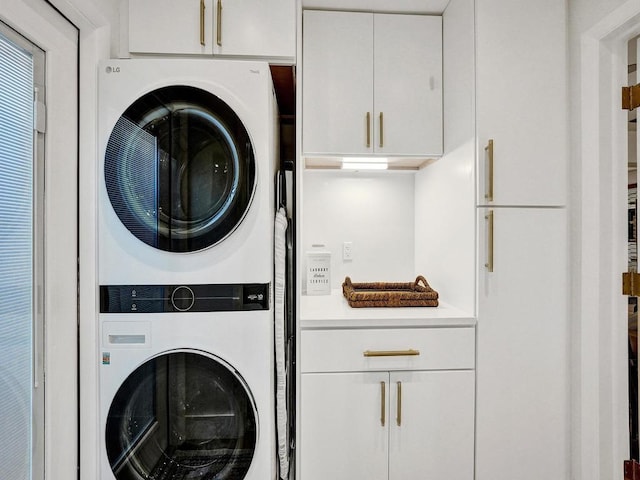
(375, 211)
(445, 190)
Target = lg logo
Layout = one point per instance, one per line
(112, 69)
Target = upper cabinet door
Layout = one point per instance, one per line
(372, 84)
(226, 27)
(255, 28)
(522, 101)
(337, 82)
(167, 26)
(408, 84)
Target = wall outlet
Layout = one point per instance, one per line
(347, 251)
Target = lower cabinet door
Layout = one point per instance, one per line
(522, 410)
(431, 430)
(344, 426)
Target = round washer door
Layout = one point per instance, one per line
(180, 169)
(182, 415)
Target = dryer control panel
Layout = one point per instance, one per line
(184, 298)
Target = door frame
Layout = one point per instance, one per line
(600, 437)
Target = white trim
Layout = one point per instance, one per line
(599, 396)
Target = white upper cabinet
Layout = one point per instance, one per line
(224, 27)
(522, 101)
(372, 84)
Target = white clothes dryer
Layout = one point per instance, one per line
(187, 395)
(187, 153)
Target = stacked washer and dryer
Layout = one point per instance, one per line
(186, 208)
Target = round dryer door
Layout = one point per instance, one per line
(180, 169)
(182, 415)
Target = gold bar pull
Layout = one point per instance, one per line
(381, 130)
(489, 218)
(202, 7)
(489, 151)
(399, 404)
(383, 403)
(219, 24)
(368, 129)
(391, 353)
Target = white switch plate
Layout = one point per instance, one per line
(347, 251)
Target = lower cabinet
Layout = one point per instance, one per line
(391, 424)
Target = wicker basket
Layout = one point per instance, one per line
(380, 294)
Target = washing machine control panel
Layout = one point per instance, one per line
(183, 298)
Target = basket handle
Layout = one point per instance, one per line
(421, 279)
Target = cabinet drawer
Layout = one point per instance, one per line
(387, 349)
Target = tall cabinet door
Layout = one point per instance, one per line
(344, 426)
(337, 82)
(522, 363)
(408, 84)
(432, 425)
(522, 100)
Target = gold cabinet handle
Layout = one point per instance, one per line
(399, 404)
(219, 24)
(383, 403)
(368, 129)
(489, 219)
(202, 7)
(489, 154)
(391, 353)
(381, 130)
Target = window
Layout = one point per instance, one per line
(21, 246)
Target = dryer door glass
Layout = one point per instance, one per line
(182, 415)
(180, 169)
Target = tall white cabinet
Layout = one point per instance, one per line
(522, 395)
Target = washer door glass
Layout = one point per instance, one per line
(182, 415)
(180, 169)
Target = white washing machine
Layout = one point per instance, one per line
(187, 153)
(188, 395)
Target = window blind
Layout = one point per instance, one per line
(16, 260)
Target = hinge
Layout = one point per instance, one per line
(631, 470)
(631, 286)
(631, 97)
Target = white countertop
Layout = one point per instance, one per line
(333, 311)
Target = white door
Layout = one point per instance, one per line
(38, 242)
(522, 100)
(407, 84)
(522, 344)
(344, 426)
(337, 82)
(432, 425)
